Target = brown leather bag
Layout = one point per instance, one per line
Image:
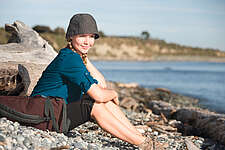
(43, 113)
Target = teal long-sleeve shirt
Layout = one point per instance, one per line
(66, 77)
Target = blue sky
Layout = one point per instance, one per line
(197, 23)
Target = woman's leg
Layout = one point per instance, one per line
(115, 110)
(114, 126)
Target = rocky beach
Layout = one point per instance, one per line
(155, 122)
(174, 120)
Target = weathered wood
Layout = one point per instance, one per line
(129, 103)
(161, 107)
(25, 45)
(202, 122)
(19, 79)
(8, 78)
(32, 71)
(166, 127)
(207, 123)
(27, 54)
(190, 145)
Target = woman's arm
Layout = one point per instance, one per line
(102, 95)
(96, 74)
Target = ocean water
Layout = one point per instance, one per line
(203, 80)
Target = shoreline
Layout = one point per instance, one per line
(163, 59)
(144, 94)
(178, 99)
(162, 101)
(202, 98)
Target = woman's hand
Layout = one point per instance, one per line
(102, 95)
(116, 99)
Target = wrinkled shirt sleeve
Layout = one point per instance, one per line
(74, 71)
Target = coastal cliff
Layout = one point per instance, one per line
(137, 49)
(129, 48)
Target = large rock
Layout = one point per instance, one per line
(25, 45)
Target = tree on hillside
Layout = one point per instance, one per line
(101, 34)
(145, 35)
(59, 30)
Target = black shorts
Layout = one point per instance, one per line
(79, 112)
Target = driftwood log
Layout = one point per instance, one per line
(25, 45)
(207, 123)
(23, 59)
(202, 122)
(19, 79)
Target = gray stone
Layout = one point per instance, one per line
(20, 139)
(27, 142)
(92, 147)
(19, 148)
(79, 145)
(2, 138)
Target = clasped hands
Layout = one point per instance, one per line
(116, 99)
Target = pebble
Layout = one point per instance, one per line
(2, 138)
(88, 136)
(155, 133)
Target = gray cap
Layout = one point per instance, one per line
(82, 24)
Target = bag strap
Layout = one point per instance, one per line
(65, 120)
(21, 117)
(49, 108)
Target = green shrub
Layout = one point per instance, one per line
(59, 30)
(4, 36)
(42, 29)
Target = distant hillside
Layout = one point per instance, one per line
(4, 36)
(133, 48)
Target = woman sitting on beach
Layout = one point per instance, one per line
(73, 77)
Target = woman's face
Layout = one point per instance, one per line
(83, 42)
